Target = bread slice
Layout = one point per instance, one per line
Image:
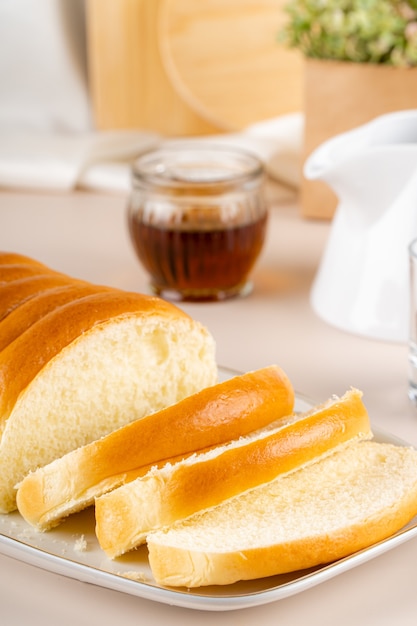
(343, 503)
(125, 516)
(85, 365)
(213, 415)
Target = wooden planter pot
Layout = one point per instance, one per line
(339, 96)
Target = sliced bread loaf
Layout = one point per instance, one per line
(74, 368)
(125, 516)
(345, 502)
(211, 416)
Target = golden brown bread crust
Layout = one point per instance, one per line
(16, 292)
(40, 304)
(23, 355)
(50, 323)
(126, 515)
(18, 271)
(21, 278)
(9, 258)
(21, 360)
(345, 502)
(212, 416)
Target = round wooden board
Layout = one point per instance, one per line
(224, 59)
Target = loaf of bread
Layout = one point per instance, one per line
(330, 509)
(215, 414)
(125, 516)
(78, 361)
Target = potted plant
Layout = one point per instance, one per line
(359, 31)
(360, 62)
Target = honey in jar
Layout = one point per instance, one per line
(197, 219)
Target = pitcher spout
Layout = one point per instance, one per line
(368, 167)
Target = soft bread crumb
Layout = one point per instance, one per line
(80, 544)
(297, 505)
(117, 372)
(139, 577)
(156, 500)
(344, 503)
(26, 534)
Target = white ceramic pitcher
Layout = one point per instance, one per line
(362, 284)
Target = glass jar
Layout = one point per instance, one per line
(197, 219)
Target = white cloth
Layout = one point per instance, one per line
(102, 160)
(57, 162)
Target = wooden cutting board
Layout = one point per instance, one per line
(128, 83)
(189, 67)
(224, 59)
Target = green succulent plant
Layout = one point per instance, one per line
(362, 31)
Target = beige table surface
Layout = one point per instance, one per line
(85, 234)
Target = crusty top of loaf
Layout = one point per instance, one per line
(7, 258)
(30, 310)
(26, 354)
(78, 361)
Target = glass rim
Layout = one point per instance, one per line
(149, 167)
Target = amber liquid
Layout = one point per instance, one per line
(198, 265)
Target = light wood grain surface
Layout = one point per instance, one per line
(182, 67)
(225, 60)
(128, 82)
